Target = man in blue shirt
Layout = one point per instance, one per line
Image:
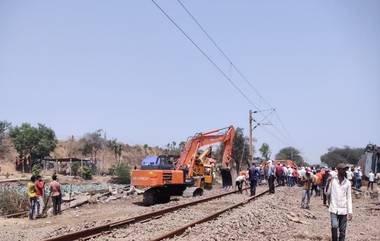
(253, 173)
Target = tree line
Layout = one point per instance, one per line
(37, 142)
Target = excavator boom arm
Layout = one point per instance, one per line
(188, 155)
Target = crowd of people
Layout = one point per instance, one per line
(36, 193)
(332, 185)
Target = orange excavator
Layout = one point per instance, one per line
(166, 176)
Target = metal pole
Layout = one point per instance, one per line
(250, 135)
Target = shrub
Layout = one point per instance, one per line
(112, 170)
(85, 173)
(123, 174)
(75, 168)
(36, 169)
(11, 201)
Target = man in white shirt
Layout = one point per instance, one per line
(340, 203)
(271, 176)
(371, 180)
(349, 175)
(290, 176)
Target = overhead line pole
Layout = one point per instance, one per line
(250, 135)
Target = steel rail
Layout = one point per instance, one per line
(181, 230)
(107, 227)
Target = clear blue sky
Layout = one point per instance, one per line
(121, 66)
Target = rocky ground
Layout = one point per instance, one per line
(271, 217)
(279, 217)
(85, 216)
(170, 221)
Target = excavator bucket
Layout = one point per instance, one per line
(226, 177)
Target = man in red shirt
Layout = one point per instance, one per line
(279, 171)
(295, 176)
(55, 190)
(39, 185)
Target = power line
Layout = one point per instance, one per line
(224, 54)
(205, 55)
(222, 72)
(273, 135)
(282, 124)
(217, 46)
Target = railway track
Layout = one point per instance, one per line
(99, 230)
(182, 229)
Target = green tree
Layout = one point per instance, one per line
(265, 151)
(32, 142)
(75, 166)
(4, 127)
(85, 173)
(117, 149)
(173, 149)
(92, 143)
(336, 155)
(240, 149)
(36, 169)
(123, 174)
(181, 145)
(291, 153)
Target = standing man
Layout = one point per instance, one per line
(254, 174)
(290, 176)
(55, 189)
(31, 190)
(279, 174)
(40, 184)
(360, 177)
(350, 175)
(340, 203)
(371, 180)
(285, 174)
(324, 182)
(271, 176)
(306, 181)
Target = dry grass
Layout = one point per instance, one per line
(11, 201)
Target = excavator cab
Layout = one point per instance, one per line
(161, 162)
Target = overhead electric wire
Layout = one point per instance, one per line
(273, 135)
(224, 54)
(234, 66)
(223, 73)
(205, 55)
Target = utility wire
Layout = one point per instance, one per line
(205, 55)
(223, 53)
(220, 70)
(234, 66)
(273, 135)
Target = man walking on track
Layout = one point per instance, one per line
(340, 203)
(271, 176)
(253, 173)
